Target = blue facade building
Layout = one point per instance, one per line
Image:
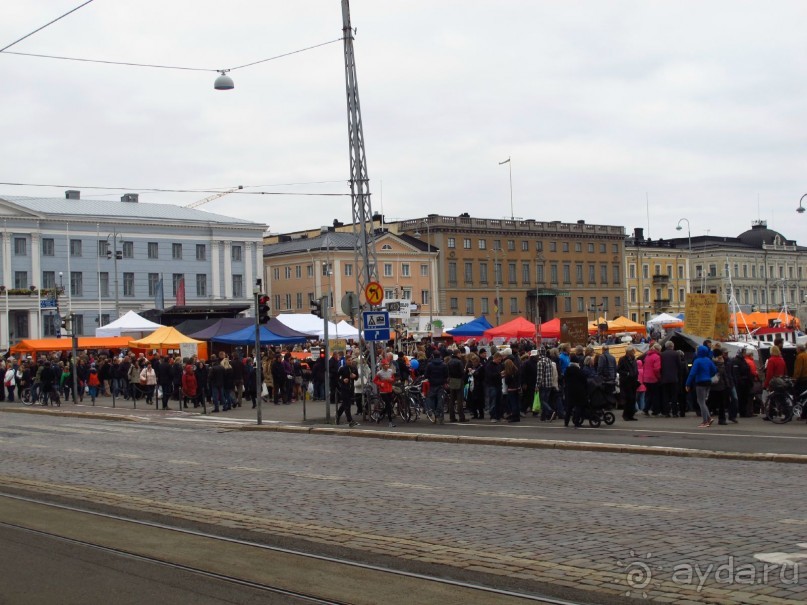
(101, 259)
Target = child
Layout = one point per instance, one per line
(93, 383)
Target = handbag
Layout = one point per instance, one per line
(536, 402)
(264, 390)
(716, 379)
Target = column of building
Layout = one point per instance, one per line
(215, 263)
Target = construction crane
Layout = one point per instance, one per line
(210, 198)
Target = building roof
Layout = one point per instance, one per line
(335, 240)
(62, 207)
(759, 234)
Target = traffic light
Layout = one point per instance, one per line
(316, 307)
(263, 309)
(66, 323)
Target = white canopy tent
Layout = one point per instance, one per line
(308, 324)
(345, 330)
(664, 319)
(130, 324)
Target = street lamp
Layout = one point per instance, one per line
(256, 291)
(115, 255)
(510, 166)
(801, 208)
(431, 282)
(689, 241)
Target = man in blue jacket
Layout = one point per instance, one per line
(700, 376)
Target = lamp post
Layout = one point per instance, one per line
(510, 166)
(496, 280)
(115, 254)
(431, 281)
(256, 291)
(801, 208)
(689, 241)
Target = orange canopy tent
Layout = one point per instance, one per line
(617, 325)
(168, 337)
(43, 345)
(759, 319)
(517, 328)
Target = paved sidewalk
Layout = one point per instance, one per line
(751, 439)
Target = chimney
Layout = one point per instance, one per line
(72, 194)
(129, 197)
(638, 234)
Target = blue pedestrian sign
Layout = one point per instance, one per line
(376, 325)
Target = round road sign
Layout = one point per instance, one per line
(374, 293)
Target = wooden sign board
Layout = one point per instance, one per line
(701, 314)
(721, 322)
(574, 330)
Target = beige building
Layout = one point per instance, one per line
(301, 267)
(657, 276)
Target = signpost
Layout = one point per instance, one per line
(376, 325)
(398, 308)
(374, 293)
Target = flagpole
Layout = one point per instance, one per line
(98, 270)
(69, 275)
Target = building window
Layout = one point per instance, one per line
(615, 248)
(553, 273)
(277, 301)
(453, 303)
(469, 273)
(483, 273)
(405, 270)
(153, 250)
(452, 243)
(20, 246)
(75, 247)
(579, 272)
(276, 273)
(201, 252)
(47, 246)
(469, 306)
(525, 273)
(497, 244)
(615, 271)
(238, 286)
(348, 269)
(236, 252)
(513, 305)
(424, 270)
(20, 279)
(604, 274)
(483, 244)
(525, 245)
(452, 273)
(578, 247)
(128, 249)
(591, 248)
(633, 295)
(567, 273)
(50, 324)
(466, 243)
(287, 272)
(645, 271)
(103, 283)
(176, 251)
(78, 325)
(389, 293)
(49, 279)
(76, 282)
(617, 302)
(298, 271)
(387, 269)
(128, 284)
(581, 304)
(646, 295)
(539, 246)
(299, 300)
(103, 248)
(287, 300)
(540, 273)
(406, 293)
(175, 279)
(602, 248)
(553, 246)
(632, 271)
(497, 273)
(153, 280)
(511, 273)
(681, 295)
(511, 245)
(484, 305)
(567, 304)
(424, 297)
(201, 284)
(565, 246)
(681, 271)
(592, 276)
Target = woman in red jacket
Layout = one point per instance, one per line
(774, 367)
(189, 386)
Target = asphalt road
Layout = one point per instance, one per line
(540, 520)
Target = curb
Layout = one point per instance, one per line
(542, 444)
(95, 415)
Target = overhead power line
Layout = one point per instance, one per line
(43, 27)
(166, 190)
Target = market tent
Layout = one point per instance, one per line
(762, 320)
(277, 327)
(192, 326)
(623, 324)
(345, 330)
(476, 327)
(551, 328)
(516, 328)
(65, 344)
(246, 336)
(227, 325)
(306, 323)
(666, 321)
(163, 337)
(131, 324)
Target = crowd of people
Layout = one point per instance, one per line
(506, 383)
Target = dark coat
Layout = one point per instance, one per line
(670, 366)
(628, 374)
(529, 373)
(575, 383)
(165, 373)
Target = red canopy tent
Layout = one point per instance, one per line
(517, 328)
(551, 329)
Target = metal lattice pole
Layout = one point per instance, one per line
(365, 256)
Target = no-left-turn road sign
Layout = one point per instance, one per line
(374, 293)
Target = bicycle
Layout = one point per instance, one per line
(779, 407)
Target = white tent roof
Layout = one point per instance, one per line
(131, 323)
(664, 318)
(345, 330)
(307, 324)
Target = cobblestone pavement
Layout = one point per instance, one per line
(624, 525)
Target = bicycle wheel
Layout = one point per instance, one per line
(26, 397)
(797, 409)
(430, 415)
(594, 421)
(780, 410)
(609, 418)
(402, 408)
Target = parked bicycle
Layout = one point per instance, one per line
(779, 407)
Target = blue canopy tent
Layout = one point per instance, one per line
(246, 336)
(476, 327)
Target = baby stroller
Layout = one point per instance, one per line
(595, 409)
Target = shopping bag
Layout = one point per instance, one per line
(264, 390)
(536, 402)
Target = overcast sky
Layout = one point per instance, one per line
(692, 109)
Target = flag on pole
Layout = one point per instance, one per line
(159, 297)
(181, 292)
